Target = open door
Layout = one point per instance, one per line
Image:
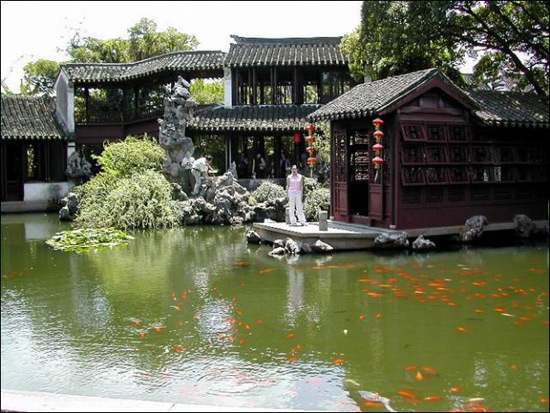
(13, 168)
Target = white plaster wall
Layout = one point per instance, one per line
(46, 191)
(227, 87)
(65, 101)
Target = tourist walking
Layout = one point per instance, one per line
(200, 169)
(295, 191)
(259, 166)
(286, 166)
(187, 164)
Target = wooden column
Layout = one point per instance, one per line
(252, 81)
(136, 106)
(87, 104)
(277, 145)
(273, 85)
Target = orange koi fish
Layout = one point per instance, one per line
(370, 405)
(241, 341)
(456, 389)
(430, 370)
(433, 398)
(242, 264)
(337, 362)
(260, 322)
(179, 349)
(290, 336)
(266, 270)
(544, 400)
(407, 395)
(142, 335)
(292, 359)
(375, 295)
(362, 317)
(247, 326)
(378, 316)
(463, 329)
(410, 368)
(479, 311)
(419, 376)
(158, 329)
(514, 366)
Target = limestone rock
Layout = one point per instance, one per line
(524, 226)
(253, 237)
(306, 248)
(391, 241)
(279, 243)
(277, 252)
(292, 247)
(69, 207)
(473, 228)
(320, 246)
(422, 244)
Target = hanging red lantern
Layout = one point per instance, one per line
(378, 134)
(310, 150)
(310, 128)
(377, 122)
(310, 139)
(377, 161)
(378, 147)
(297, 137)
(311, 161)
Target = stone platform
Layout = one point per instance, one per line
(347, 236)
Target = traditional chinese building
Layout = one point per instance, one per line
(441, 155)
(33, 151)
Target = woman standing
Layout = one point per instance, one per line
(295, 191)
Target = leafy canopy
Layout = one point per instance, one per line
(396, 37)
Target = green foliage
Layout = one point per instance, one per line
(397, 37)
(130, 156)
(315, 201)
(310, 184)
(39, 77)
(207, 93)
(140, 200)
(88, 239)
(266, 191)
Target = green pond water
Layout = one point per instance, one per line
(196, 315)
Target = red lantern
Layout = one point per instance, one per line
(378, 134)
(377, 122)
(378, 147)
(310, 150)
(311, 161)
(297, 137)
(310, 128)
(310, 139)
(377, 161)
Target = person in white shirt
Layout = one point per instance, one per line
(295, 191)
(199, 170)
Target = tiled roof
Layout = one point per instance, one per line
(276, 118)
(26, 117)
(371, 98)
(503, 84)
(510, 108)
(249, 51)
(116, 72)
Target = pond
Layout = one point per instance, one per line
(196, 315)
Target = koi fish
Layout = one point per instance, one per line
(456, 389)
(514, 366)
(179, 349)
(260, 322)
(290, 336)
(407, 395)
(136, 321)
(292, 359)
(410, 368)
(544, 400)
(247, 326)
(479, 311)
(462, 329)
(375, 295)
(378, 316)
(362, 317)
(369, 405)
(241, 341)
(430, 370)
(176, 307)
(142, 335)
(419, 376)
(242, 264)
(266, 270)
(337, 362)
(433, 398)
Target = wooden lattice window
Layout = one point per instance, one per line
(481, 154)
(436, 155)
(412, 155)
(457, 154)
(459, 175)
(436, 175)
(412, 175)
(457, 194)
(504, 173)
(458, 133)
(412, 196)
(340, 151)
(482, 174)
(413, 132)
(504, 154)
(361, 138)
(361, 160)
(524, 173)
(435, 132)
(435, 195)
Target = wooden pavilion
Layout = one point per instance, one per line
(447, 153)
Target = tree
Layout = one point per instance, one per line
(207, 93)
(39, 77)
(397, 37)
(401, 36)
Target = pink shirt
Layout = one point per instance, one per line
(295, 185)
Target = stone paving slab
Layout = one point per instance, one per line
(26, 401)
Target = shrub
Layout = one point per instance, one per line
(310, 184)
(316, 200)
(130, 156)
(266, 191)
(142, 200)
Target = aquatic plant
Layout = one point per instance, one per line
(315, 201)
(88, 239)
